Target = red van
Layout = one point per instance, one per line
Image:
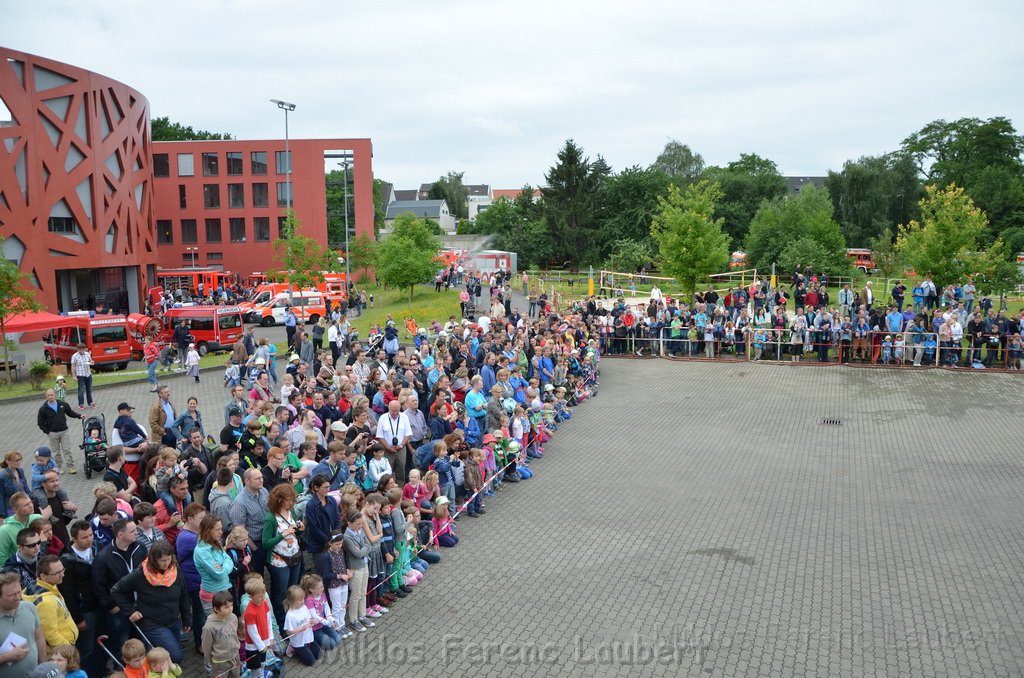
(105, 337)
(214, 328)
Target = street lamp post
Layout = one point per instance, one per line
(194, 251)
(348, 252)
(286, 107)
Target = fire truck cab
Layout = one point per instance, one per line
(104, 336)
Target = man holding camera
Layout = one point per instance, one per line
(194, 458)
(393, 434)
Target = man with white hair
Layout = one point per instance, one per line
(394, 434)
(418, 432)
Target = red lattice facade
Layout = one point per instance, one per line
(75, 182)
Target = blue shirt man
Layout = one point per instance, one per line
(894, 320)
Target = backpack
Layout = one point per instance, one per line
(299, 510)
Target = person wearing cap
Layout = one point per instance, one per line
(52, 420)
(60, 387)
(43, 462)
(231, 435)
(131, 433)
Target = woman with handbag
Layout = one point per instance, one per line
(281, 542)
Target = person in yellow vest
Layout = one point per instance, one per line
(58, 625)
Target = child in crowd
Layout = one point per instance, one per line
(887, 349)
(443, 526)
(422, 535)
(43, 462)
(298, 624)
(220, 644)
(325, 632)
(133, 655)
(287, 388)
(474, 482)
(60, 388)
(259, 633)
(94, 440)
(68, 661)
(160, 664)
(897, 349)
(335, 579)
(232, 375)
(237, 546)
(167, 467)
(192, 362)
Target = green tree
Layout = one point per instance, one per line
(572, 205)
(302, 260)
(162, 129)
(500, 217)
(407, 257)
(334, 184)
(16, 296)
(380, 208)
(680, 164)
(945, 242)
(804, 251)
(631, 255)
(998, 272)
(690, 240)
(745, 184)
(886, 257)
(531, 240)
(985, 157)
(783, 221)
(873, 194)
(630, 202)
(451, 189)
(362, 255)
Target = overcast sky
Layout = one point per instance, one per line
(495, 88)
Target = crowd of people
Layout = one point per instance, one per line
(951, 328)
(295, 516)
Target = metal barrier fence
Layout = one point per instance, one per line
(879, 348)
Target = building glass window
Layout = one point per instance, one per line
(236, 195)
(62, 225)
(282, 194)
(213, 230)
(283, 161)
(186, 165)
(182, 197)
(237, 226)
(164, 232)
(260, 197)
(259, 162)
(189, 231)
(234, 164)
(210, 168)
(214, 256)
(261, 229)
(211, 196)
(280, 226)
(161, 165)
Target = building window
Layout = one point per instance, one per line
(164, 232)
(280, 226)
(186, 165)
(283, 161)
(182, 198)
(282, 194)
(261, 229)
(62, 225)
(236, 195)
(161, 165)
(214, 256)
(189, 231)
(213, 230)
(237, 226)
(234, 164)
(190, 259)
(211, 196)
(209, 164)
(260, 198)
(259, 162)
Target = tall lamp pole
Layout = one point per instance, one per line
(348, 253)
(286, 107)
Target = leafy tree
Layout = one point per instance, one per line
(334, 183)
(572, 205)
(745, 184)
(362, 254)
(303, 261)
(380, 208)
(680, 164)
(804, 251)
(630, 202)
(451, 189)
(500, 217)
(408, 257)
(162, 129)
(631, 255)
(945, 242)
(16, 296)
(886, 257)
(690, 240)
(872, 194)
(985, 157)
(783, 221)
(531, 240)
(998, 272)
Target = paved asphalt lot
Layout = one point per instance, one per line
(700, 519)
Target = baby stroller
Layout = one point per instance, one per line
(94, 446)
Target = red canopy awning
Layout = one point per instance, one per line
(33, 321)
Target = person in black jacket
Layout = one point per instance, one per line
(155, 598)
(116, 560)
(53, 421)
(80, 595)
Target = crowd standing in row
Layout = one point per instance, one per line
(295, 515)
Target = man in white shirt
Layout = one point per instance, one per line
(393, 433)
(656, 293)
(332, 340)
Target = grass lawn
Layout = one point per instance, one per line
(426, 305)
